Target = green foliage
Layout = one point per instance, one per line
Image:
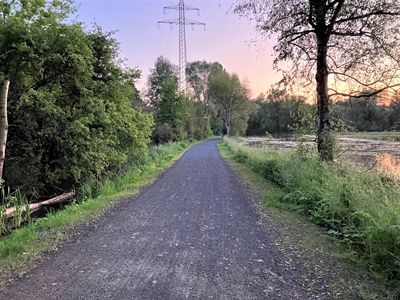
(21, 214)
(205, 117)
(359, 208)
(228, 93)
(240, 119)
(163, 133)
(305, 119)
(70, 113)
(133, 172)
(280, 113)
(329, 146)
(217, 125)
(177, 116)
(163, 68)
(197, 123)
(364, 114)
(197, 74)
(171, 109)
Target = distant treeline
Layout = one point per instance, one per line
(281, 113)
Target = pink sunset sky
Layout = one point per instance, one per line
(225, 40)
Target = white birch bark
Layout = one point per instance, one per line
(3, 123)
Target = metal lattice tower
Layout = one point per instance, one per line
(182, 22)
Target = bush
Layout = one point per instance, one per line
(163, 133)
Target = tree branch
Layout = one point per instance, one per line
(375, 13)
(362, 94)
(310, 14)
(358, 81)
(332, 22)
(297, 34)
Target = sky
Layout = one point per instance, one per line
(226, 38)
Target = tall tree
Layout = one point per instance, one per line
(162, 69)
(227, 91)
(356, 42)
(171, 108)
(197, 73)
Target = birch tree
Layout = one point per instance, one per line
(3, 124)
(346, 47)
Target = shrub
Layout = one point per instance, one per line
(163, 133)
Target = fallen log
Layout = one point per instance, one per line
(35, 206)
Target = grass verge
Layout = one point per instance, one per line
(22, 247)
(362, 210)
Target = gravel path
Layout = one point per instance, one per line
(193, 234)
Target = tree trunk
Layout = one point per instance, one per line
(325, 146)
(3, 123)
(228, 122)
(36, 206)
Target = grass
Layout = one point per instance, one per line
(390, 136)
(23, 246)
(360, 209)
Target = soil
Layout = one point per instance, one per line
(200, 231)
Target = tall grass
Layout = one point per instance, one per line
(134, 171)
(362, 209)
(21, 214)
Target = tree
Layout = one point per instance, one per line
(197, 124)
(364, 114)
(171, 109)
(228, 92)
(3, 124)
(276, 113)
(163, 68)
(353, 42)
(70, 114)
(197, 74)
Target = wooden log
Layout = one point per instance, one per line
(35, 206)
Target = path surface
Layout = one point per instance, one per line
(193, 234)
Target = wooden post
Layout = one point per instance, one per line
(3, 123)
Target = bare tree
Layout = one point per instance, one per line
(347, 47)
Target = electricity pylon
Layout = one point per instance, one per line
(182, 22)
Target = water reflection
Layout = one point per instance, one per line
(388, 163)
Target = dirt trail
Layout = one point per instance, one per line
(193, 234)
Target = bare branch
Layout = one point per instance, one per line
(332, 4)
(370, 84)
(335, 16)
(349, 33)
(298, 36)
(365, 16)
